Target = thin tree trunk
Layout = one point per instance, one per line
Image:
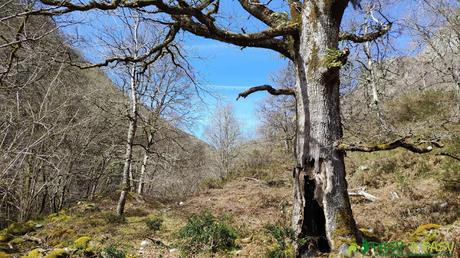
(372, 80)
(140, 189)
(131, 178)
(45, 193)
(62, 196)
(93, 188)
(129, 144)
(322, 213)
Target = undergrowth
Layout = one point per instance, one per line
(206, 233)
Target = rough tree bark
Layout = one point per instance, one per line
(322, 213)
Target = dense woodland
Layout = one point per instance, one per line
(359, 138)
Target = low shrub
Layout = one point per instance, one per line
(112, 218)
(206, 233)
(212, 183)
(154, 223)
(450, 176)
(136, 212)
(112, 252)
(284, 237)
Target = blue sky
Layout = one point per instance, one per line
(227, 70)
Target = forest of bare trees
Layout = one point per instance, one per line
(63, 128)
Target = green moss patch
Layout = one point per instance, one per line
(58, 253)
(82, 242)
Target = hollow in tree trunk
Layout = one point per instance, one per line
(322, 216)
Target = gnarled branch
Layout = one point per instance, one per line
(450, 155)
(195, 20)
(263, 39)
(382, 30)
(260, 11)
(267, 88)
(156, 51)
(400, 143)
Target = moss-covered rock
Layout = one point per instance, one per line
(82, 242)
(18, 229)
(35, 253)
(58, 253)
(422, 229)
(426, 233)
(58, 217)
(3, 237)
(17, 241)
(4, 255)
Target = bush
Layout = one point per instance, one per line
(112, 218)
(112, 252)
(449, 176)
(284, 237)
(136, 212)
(387, 165)
(205, 232)
(212, 183)
(154, 223)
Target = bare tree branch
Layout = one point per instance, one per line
(267, 88)
(192, 19)
(259, 11)
(400, 143)
(450, 155)
(155, 51)
(382, 30)
(263, 39)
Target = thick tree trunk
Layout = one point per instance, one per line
(129, 146)
(322, 215)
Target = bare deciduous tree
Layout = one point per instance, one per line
(223, 133)
(168, 102)
(278, 113)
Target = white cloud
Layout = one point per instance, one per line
(225, 87)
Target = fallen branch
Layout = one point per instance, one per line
(400, 143)
(32, 238)
(364, 194)
(253, 179)
(267, 88)
(446, 154)
(158, 242)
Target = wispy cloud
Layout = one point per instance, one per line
(225, 87)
